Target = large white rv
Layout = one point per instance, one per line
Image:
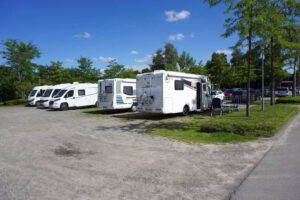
(172, 92)
(35, 95)
(117, 93)
(75, 95)
(50, 92)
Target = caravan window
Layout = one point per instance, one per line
(32, 93)
(81, 92)
(204, 87)
(108, 89)
(55, 92)
(40, 93)
(179, 85)
(128, 90)
(69, 94)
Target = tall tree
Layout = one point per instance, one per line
(19, 56)
(85, 65)
(244, 20)
(158, 61)
(171, 57)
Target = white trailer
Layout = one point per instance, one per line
(173, 92)
(75, 95)
(35, 95)
(50, 92)
(117, 94)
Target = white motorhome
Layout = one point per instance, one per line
(117, 93)
(50, 92)
(35, 95)
(173, 92)
(75, 95)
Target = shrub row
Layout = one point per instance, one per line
(15, 102)
(294, 100)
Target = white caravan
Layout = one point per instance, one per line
(50, 92)
(117, 94)
(35, 95)
(75, 95)
(172, 92)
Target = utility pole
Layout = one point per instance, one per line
(262, 105)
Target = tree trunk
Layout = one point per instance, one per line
(249, 63)
(294, 79)
(272, 102)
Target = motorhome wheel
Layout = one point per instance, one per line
(64, 106)
(133, 108)
(185, 110)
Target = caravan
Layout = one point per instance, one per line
(117, 94)
(173, 92)
(50, 92)
(75, 95)
(35, 95)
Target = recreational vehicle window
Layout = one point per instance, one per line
(187, 82)
(55, 92)
(128, 90)
(69, 94)
(108, 89)
(81, 92)
(204, 87)
(47, 93)
(40, 93)
(32, 93)
(61, 93)
(179, 85)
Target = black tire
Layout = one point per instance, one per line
(133, 108)
(185, 110)
(64, 106)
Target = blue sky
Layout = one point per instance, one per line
(127, 30)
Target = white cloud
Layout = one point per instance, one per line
(104, 59)
(69, 60)
(178, 37)
(84, 35)
(193, 34)
(147, 58)
(134, 52)
(224, 51)
(172, 16)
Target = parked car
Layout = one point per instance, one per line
(283, 92)
(228, 93)
(218, 94)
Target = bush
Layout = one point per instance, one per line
(15, 102)
(295, 100)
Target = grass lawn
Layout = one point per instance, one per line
(229, 128)
(294, 100)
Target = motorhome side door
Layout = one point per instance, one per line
(202, 96)
(199, 95)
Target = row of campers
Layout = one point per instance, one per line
(159, 91)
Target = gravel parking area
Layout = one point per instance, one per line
(69, 155)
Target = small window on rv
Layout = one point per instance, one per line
(128, 90)
(179, 85)
(40, 93)
(81, 92)
(69, 94)
(108, 89)
(204, 87)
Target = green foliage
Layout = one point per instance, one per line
(15, 102)
(232, 127)
(115, 70)
(293, 100)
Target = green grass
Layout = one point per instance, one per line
(229, 128)
(294, 100)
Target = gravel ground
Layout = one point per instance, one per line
(69, 155)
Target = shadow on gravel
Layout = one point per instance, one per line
(69, 150)
(146, 116)
(105, 112)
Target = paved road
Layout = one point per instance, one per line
(277, 177)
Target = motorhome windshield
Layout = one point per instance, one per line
(32, 93)
(47, 93)
(41, 92)
(61, 93)
(55, 92)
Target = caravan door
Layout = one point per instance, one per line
(202, 96)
